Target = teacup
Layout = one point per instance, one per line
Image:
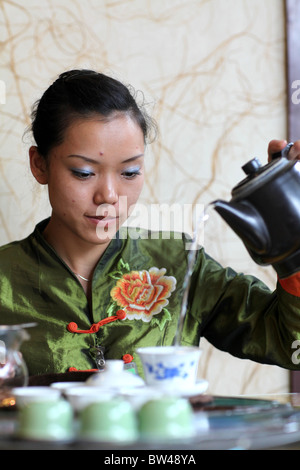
(63, 386)
(82, 396)
(46, 421)
(27, 395)
(170, 367)
(166, 418)
(108, 421)
(137, 397)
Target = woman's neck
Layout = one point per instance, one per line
(81, 256)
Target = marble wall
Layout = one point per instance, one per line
(212, 73)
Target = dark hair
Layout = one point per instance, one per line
(77, 94)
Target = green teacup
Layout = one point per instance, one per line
(50, 421)
(166, 418)
(110, 421)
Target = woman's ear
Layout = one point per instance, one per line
(38, 165)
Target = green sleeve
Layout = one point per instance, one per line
(240, 315)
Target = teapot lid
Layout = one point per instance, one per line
(258, 175)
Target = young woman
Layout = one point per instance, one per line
(94, 291)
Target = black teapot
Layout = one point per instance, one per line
(265, 212)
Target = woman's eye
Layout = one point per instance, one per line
(130, 174)
(81, 174)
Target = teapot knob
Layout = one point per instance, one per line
(252, 167)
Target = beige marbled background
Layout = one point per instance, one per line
(213, 74)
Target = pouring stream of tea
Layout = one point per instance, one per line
(188, 275)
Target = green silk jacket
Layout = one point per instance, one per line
(142, 276)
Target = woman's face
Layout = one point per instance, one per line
(95, 176)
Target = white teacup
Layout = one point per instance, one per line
(170, 367)
(26, 395)
(82, 396)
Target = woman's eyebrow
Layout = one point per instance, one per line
(131, 159)
(91, 160)
(86, 159)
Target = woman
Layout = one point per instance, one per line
(94, 291)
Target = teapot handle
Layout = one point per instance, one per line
(284, 152)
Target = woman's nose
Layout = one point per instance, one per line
(106, 192)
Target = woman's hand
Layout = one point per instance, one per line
(276, 146)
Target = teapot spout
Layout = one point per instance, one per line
(247, 223)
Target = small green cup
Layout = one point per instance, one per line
(166, 418)
(46, 421)
(109, 421)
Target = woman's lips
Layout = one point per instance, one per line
(101, 219)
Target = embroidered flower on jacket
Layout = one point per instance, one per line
(143, 294)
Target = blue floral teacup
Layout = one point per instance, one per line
(170, 366)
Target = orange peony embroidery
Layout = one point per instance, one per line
(143, 294)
